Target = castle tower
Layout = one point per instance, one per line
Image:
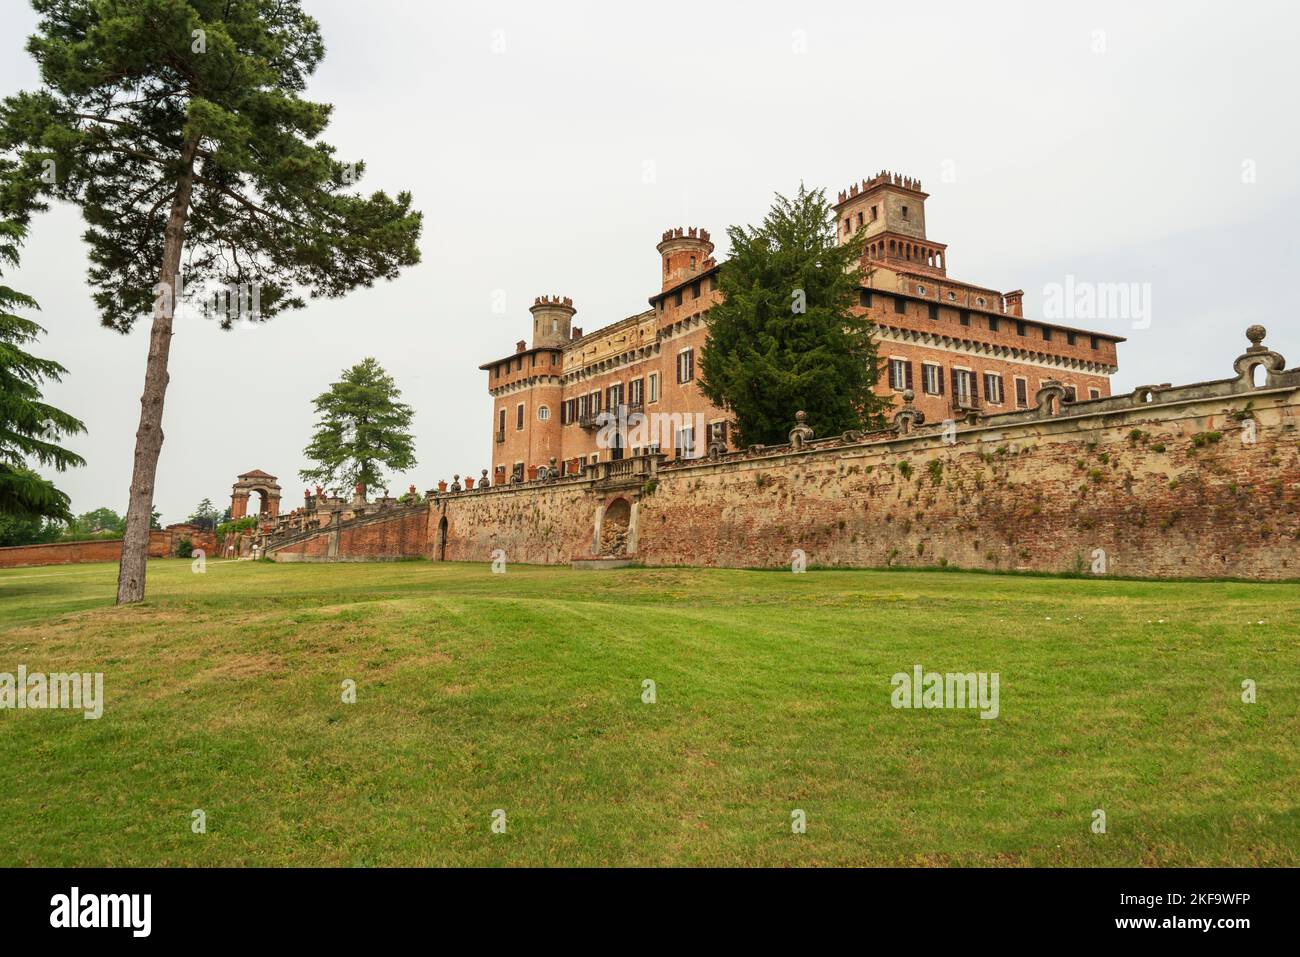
(551, 320)
(890, 209)
(685, 253)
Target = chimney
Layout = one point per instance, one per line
(1013, 303)
(520, 346)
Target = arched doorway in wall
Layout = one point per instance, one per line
(614, 527)
(442, 539)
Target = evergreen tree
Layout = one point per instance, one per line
(28, 530)
(785, 336)
(362, 430)
(179, 129)
(205, 515)
(30, 429)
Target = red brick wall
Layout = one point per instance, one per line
(399, 533)
(61, 553)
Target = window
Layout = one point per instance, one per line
(859, 217)
(501, 420)
(900, 306)
(595, 457)
(566, 412)
(654, 387)
(993, 323)
(695, 290)
(1094, 342)
(1022, 393)
(920, 290)
(979, 301)
(864, 298)
(848, 225)
(677, 298)
(593, 402)
(1071, 338)
(1047, 333)
(636, 392)
(543, 413)
(693, 268)
(934, 311)
(964, 316)
(900, 374)
(904, 213)
(519, 418)
(993, 388)
(686, 365)
(581, 406)
(684, 443)
(1021, 329)
(963, 386)
(873, 213)
(931, 379)
(1094, 393)
(1071, 394)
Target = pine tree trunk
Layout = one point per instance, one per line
(149, 436)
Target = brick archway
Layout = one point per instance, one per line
(266, 488)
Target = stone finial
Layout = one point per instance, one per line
(908, 417)
(483, 480)
(455, 483)
(802, 433)
(1258, 355)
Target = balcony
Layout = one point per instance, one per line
(962, 404)
(501, 436)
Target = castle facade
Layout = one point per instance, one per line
(963, 350)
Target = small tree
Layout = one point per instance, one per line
(785, 336)
(179, 129)
(30, 429)
(362, 430)
(101, 521)
(205, 515)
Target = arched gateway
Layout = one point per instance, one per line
(266, 488)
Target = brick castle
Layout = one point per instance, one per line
(959, 347)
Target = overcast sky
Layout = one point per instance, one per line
(549, 145)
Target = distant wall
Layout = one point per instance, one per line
(162, 543)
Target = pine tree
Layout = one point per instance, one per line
(30, 429)
(785, 337)
(179, 129)
(362, 430)
(205, 515)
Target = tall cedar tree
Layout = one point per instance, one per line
(785, 337)
(362, 429)
(30, 429)
(178, 128)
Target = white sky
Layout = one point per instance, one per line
(530, 166)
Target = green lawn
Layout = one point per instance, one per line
(523, 692)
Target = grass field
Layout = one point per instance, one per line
(523, 692)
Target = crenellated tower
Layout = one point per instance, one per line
(890, 209)
(686, 253)
(552, 317)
